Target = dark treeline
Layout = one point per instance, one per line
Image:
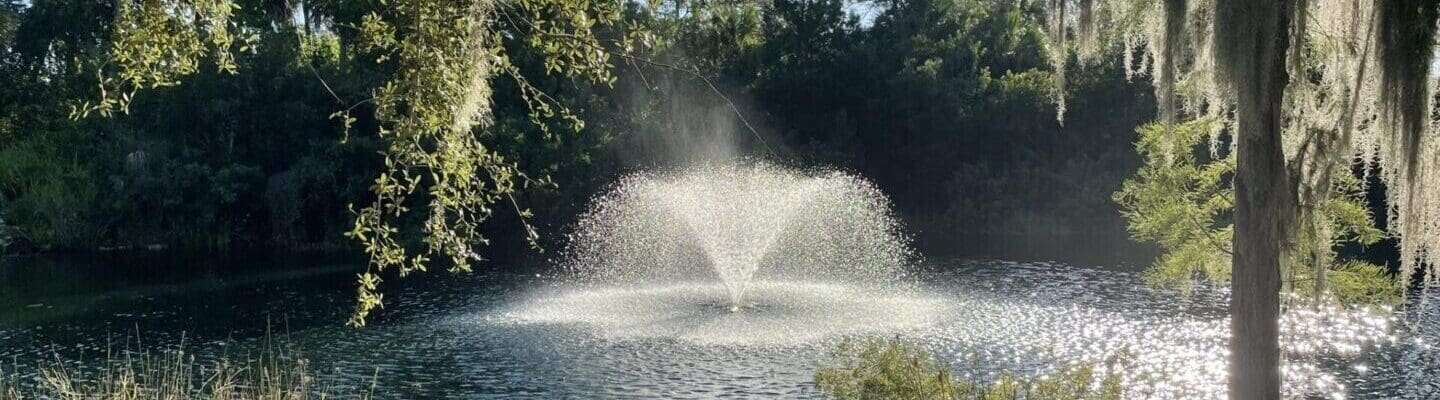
(946, 105)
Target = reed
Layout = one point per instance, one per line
(277, 372)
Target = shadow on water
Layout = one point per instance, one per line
(51, 288)
(1114, 251)
(73, 304)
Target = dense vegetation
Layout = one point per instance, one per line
(1183, 199)
(895, 369)
(278, 371)
(938, 101)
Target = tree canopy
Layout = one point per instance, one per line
(1357, 97)
(271, 149)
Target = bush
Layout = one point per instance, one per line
(895, 369)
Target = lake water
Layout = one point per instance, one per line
(482, 335)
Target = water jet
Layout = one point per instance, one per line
(820, 249)
(735, 223)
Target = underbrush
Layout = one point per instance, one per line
(895, 369)
(276, 373)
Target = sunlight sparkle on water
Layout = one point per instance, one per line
(776, 261)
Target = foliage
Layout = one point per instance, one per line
(154, 43)
(187, 169)
(938, 108)
(445, 55)
(937, 105)
(878, 369)
(1182, 199)
(52, 193)
(431, 110)
(277, 372)
(1358, 282)
(895, 369)
(1357, 86)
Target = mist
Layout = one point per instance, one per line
(682, 121)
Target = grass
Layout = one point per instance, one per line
(277, 373)
(895, 369)
(864, 369)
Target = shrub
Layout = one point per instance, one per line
(895, 369)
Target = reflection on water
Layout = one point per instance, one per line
(775, 313)
(1036, 316)
(504, 335)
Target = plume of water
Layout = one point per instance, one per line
(734, 223)
(735, 253)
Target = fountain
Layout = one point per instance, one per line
(738, 252)
(737, 221)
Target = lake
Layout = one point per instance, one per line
(490, 334)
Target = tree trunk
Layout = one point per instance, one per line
(1261, 201)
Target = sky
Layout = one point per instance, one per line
(867, 11)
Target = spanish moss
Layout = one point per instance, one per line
(1405, 47)
(1059, 53)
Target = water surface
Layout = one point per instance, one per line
(480, 335)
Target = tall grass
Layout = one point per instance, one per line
(9, 387)
(276, 373)
(895, 369)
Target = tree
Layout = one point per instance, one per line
(1250, 50)
(1183, 199)
(432, 110)
(1269, 67)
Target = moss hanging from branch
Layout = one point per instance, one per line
(1405, 44)
(1405, 47)
(1335, 110)
(1059, 52)
(1157, 31)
